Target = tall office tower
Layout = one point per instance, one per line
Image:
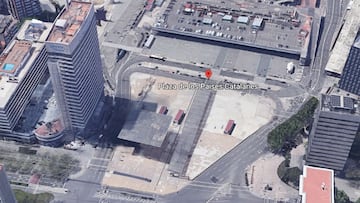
(6, 193)
(21, 9)
(22, 66)
(4, 7)
(8, 29)
(350, 78)
(75, 65)
(333, 133)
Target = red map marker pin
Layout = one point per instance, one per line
(208, 73)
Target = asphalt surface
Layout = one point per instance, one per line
(332, 19)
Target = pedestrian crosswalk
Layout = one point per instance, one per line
(125, 196)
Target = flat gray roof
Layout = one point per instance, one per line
(243, 19)
(227, 17)
(257, 22)
(145, 127)
(190, 132)
(279, 34)
(207, 20)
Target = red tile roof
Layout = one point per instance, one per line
(317, 185)
(48, 129)
(34, 179)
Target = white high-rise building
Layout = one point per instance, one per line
(75, 64)
(22, 67)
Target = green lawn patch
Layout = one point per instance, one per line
(24, 197)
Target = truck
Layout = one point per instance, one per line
(179, 117)
(229, 127)
(163, 110)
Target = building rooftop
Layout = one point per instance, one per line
(16, 60)
(6, 21)
(189, 134)
(11, 62)
(334, 130)
(50, 129)
(34, 30)
(346, 39)
(279, 25)
(339, 103)
(243, 19)
(69, 22)
(227, 17)
(145, 127)
(257, 22)
(317, 185)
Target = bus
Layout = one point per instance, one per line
(149, 41)
(157, 57)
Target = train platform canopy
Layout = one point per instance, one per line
(145, 127)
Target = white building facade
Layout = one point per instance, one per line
(75, 65)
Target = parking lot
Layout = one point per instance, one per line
(261, 24)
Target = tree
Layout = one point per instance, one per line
(341, 196)
(355, 148)
(282, 138)
(289, 175)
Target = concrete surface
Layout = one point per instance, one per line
(297, 156)
(250, 112)
(173, 99)
(258, 175)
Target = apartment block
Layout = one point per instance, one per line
(22, 66)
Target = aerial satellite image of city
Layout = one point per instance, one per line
(179, 101)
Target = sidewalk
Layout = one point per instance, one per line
(264, 172)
